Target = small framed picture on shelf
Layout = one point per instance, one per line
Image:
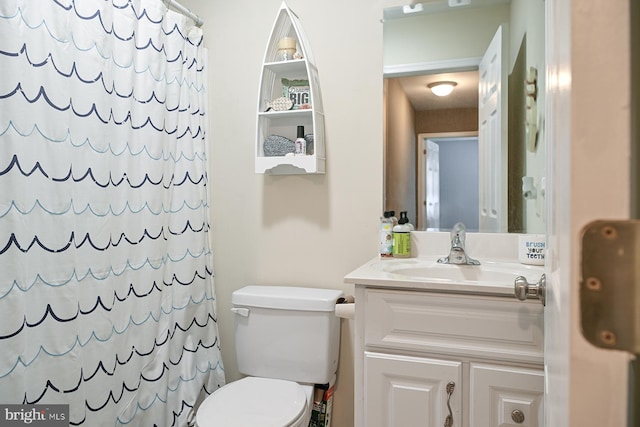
(297, 91)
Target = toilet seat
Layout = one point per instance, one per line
(254, 401)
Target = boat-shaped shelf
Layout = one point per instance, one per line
(293, 76)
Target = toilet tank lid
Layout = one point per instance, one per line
(286, 298)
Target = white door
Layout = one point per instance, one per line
(588, 137)
(492, 135)
(410, 391)
(432, 184)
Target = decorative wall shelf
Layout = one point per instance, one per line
(294, 76)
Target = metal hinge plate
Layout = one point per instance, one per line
(610, 284)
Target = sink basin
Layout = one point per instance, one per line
(430, 270)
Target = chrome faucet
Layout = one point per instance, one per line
(457, 253)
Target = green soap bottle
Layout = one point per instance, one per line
(402, 237)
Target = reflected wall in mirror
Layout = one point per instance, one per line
(448, 43)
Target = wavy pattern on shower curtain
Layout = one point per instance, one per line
(106, 281)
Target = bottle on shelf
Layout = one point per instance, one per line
(301, 143)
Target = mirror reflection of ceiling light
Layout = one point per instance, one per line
(442, 88)
(412, 8)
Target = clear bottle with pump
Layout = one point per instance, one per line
(301, 143)
(402, 237)
(386, 235)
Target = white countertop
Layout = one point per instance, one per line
(497, 253)
(468, 279)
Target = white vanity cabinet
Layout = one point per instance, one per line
(412, 343)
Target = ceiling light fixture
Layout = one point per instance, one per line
(442, 88)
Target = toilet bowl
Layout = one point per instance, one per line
(287, 339)
(253, 401)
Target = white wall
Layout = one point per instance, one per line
(400, 153)
(294, 230)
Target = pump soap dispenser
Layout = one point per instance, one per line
(402, 237)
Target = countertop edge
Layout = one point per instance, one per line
(366, 276)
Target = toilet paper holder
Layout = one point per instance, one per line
(346, 307)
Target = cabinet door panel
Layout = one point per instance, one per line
(495, 328)
(503, 396)
(410, 391)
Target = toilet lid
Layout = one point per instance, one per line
(253, 401)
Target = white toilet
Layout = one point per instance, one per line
(287, 340)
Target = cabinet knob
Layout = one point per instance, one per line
(523, 289)
(517, 416)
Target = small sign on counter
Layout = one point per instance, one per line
(532, 248)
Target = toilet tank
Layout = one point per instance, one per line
(288, 333)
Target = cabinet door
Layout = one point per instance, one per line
(410, 391)
(502, 396)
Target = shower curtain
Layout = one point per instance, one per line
(107, 301)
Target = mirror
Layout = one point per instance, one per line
(438, 164)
